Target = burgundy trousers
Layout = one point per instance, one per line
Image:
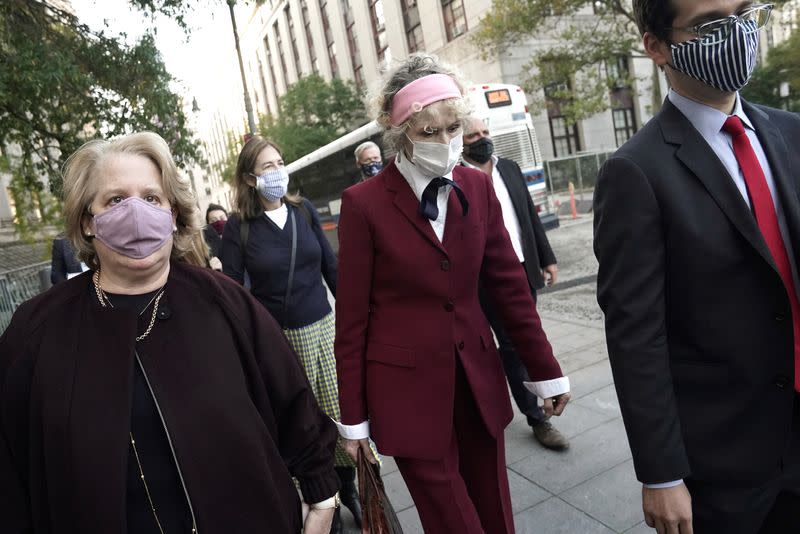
(466, 491)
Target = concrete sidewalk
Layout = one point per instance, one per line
(590, 488)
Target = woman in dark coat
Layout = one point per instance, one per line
(275, 240)
(171, 401)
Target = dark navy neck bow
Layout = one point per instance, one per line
(428, 207)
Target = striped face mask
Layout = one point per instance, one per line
(724, 59)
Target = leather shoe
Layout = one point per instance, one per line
(547, 435)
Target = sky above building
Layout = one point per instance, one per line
(192, 57)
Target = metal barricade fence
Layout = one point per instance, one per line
(580, 169)
(19, 285)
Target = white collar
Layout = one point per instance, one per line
(414, 176)
(707, 120)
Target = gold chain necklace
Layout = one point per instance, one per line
(105, 301)
(144, 483)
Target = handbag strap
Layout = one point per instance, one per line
(292, 261)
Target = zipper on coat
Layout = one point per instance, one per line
(169, 440)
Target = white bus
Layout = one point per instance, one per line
(322, 175)
(504, 109)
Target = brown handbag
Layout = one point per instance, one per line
(378, 516)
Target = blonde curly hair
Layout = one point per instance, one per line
(414, 67)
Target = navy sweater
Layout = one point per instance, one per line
(267, 263)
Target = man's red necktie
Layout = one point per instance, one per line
(767, 220)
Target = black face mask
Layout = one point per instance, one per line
(480, 151)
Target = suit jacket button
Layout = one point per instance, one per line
(782, 381)
(780, 317)
(449, 306)
(445, 265)
(163, 313)
(460, 345)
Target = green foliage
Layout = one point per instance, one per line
(782, 65)
(313, 112)
(573, 69)
(61, 85)
(581, 40)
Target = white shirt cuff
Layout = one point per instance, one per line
(359, 431)
(664, 485)
(549, 388)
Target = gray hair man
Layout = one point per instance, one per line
(368, 159)
(534, 252)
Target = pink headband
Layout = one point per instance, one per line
(420, 93)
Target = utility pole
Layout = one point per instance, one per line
(251, 121)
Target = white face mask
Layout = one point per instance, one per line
(437, 159)
(272, 185)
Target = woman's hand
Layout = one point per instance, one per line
(555, 405)
(318, 521)
(351, 447)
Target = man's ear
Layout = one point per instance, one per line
(657, 49)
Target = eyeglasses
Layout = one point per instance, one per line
(753, 19)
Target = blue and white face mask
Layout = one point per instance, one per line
(726, 63)
(273, 184)
(371, 169)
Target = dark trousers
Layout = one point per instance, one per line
(516, 373)
(466, 492)
(770, 508)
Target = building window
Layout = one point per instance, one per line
(264, 87)
(293, 39)
(413, 26)
(624, 124)
(309, 37)
(329, 44)
(270, 65)
(378, 29)
(623, 116)
(455, 19)
(565, 137)
(279, 46)
(352, 44)
(618, 71)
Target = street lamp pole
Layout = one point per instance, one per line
(251, 121)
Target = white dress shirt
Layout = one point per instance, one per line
(509, 214)
(708, 122)
(418, 182)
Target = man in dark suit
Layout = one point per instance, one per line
(63, 262)
(533, 251)
(697, 230)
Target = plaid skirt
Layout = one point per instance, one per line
(313, 344)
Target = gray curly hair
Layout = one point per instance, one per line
(414, 67)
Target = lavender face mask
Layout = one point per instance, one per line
(134, 228)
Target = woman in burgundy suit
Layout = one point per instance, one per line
(417, 365)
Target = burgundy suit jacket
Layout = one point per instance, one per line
(407, 303)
